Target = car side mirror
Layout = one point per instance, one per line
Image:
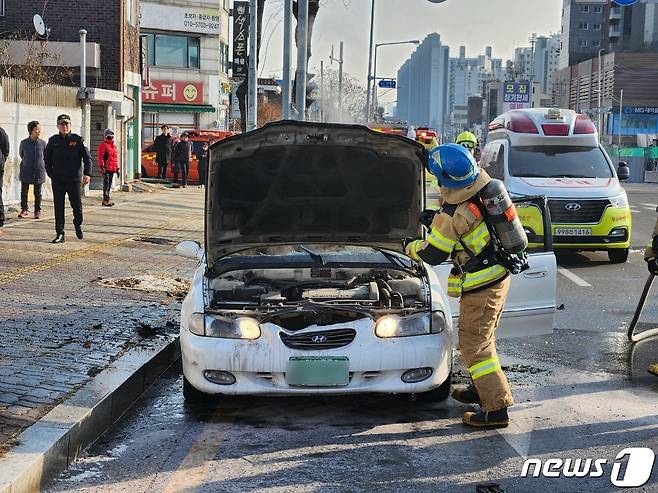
(190, 249)
(623, 171)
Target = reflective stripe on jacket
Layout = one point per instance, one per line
(456, 232)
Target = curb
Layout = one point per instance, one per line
(49, 446)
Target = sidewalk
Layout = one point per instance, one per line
(59, 326)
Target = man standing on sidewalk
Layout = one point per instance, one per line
(163, 145)
(65, 156)
(4, 154)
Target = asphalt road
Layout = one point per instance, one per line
(581, 393)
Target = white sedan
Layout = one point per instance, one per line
(302, 288)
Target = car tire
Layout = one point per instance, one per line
(618, 256)
(191, 394)
(439, 394)
(144, 173)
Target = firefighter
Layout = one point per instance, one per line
(458, 231)
(467, 140)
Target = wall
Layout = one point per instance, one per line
(14, 119)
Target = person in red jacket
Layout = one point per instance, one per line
(108, 164)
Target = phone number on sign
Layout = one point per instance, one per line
(202, 25)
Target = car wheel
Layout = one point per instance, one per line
(191, 394)
(144, 173)
(439, 394)
(618, 256)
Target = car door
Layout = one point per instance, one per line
(530, 306)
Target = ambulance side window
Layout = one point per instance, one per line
(493, 160)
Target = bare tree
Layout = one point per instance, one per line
(25, 55)
(354, 98)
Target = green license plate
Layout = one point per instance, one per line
(318, 371)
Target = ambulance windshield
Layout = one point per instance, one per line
(558, 162)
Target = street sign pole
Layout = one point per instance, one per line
(302, 49)
(287, 49)
(252, 96)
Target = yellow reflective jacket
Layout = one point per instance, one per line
(459, 228)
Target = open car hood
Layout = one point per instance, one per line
(297, 182)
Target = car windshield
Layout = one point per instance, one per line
(558, 162)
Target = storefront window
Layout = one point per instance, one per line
(173, 51)
(223, 58)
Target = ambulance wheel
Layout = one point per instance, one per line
(439, 394)
(618, 256)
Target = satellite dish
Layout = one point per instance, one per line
(39, 25)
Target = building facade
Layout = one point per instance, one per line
(113, 63)
(187, 55)
(629, 93)
(584, 27)
(423, 85)
(633, 28)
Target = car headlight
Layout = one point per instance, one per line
(196, 324)
(620, 201)
(395, 326)
(232, 328)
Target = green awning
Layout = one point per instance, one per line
(178, 108)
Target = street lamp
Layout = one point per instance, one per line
(372, 34)
(374, 71)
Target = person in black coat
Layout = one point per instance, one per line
(182, 155)
(163, 145)
(4, 154)
(32, 168)
(68, 165)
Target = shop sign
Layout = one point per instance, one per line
(173, 92)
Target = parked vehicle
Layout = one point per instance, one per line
(197, 137)
(303, 287)
(557, 153)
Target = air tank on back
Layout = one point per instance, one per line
(503, 218)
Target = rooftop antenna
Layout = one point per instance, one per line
(39, 25)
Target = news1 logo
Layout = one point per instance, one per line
(625, 3)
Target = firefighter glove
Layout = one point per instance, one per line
(426, 217)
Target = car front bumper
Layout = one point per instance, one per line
(259, 366)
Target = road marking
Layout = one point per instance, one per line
(634, 210)
(194, 467)
(650, 206)
(573, 277)
(13, 275)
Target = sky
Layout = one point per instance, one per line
(502, 24)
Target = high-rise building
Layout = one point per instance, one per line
(633, 28)
(584, 24)
(423, 85)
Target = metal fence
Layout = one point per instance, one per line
(21, 91)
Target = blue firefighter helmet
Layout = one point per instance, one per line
(453, 165)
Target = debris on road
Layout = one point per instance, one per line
(161, 283)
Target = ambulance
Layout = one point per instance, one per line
(556, 153)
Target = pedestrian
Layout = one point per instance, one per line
(458, 231)
(108, 164)
(182, 156)
(203, 164)
(68, 165)
(468, 140)
(163, 148)
(32, 168)
(4, 155)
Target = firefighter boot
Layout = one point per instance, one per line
(487, 419)
(466, 395)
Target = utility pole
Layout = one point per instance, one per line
(621, 108)
(287, 50)
(252, 95)
(86, 106)
(372, 40)
(302, 50)
(322, 96)
(340, 78)
(600, 98)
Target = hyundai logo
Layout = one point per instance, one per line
(319, 339)
(573, 207)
